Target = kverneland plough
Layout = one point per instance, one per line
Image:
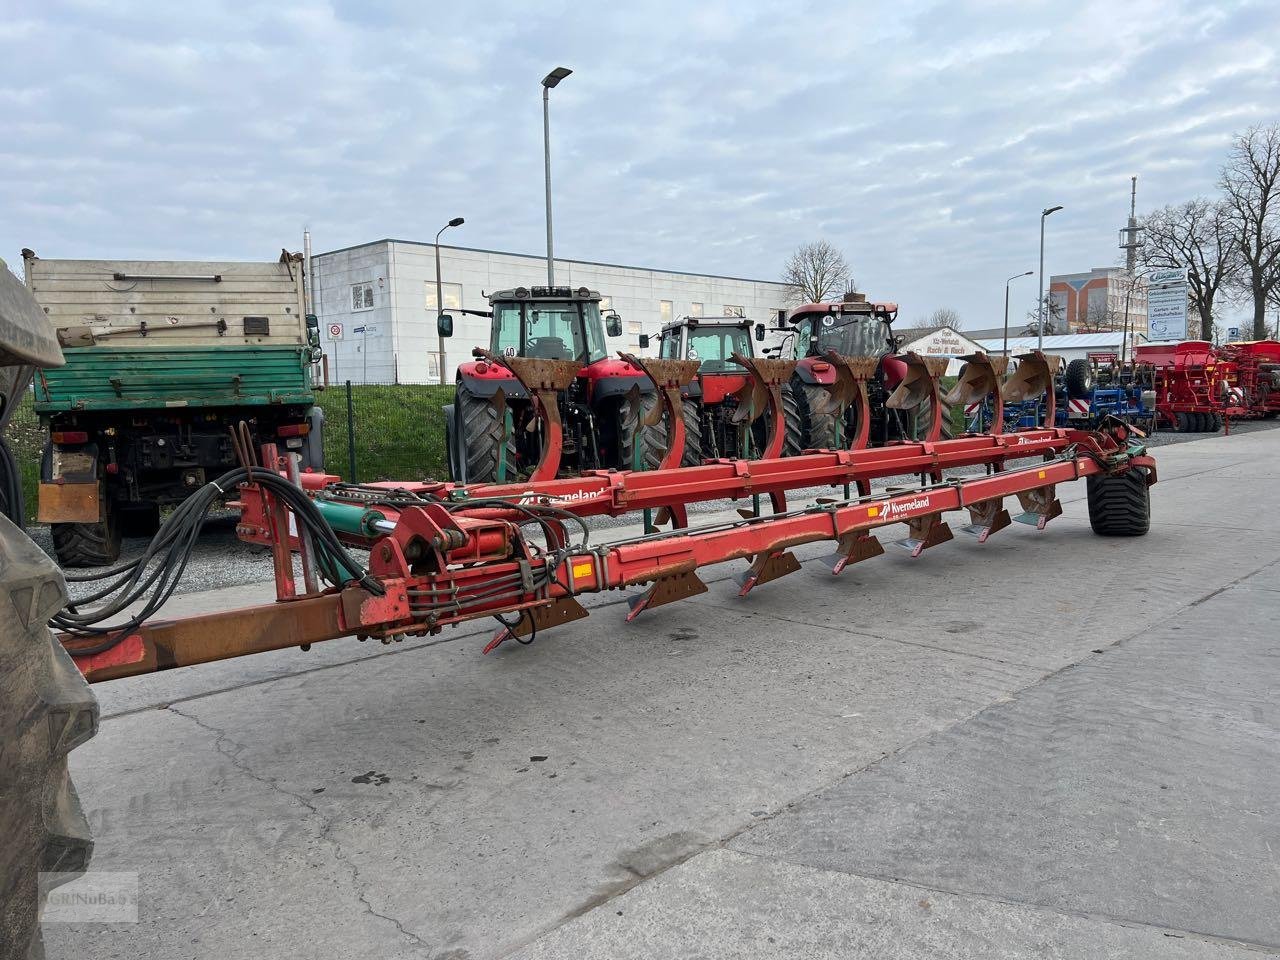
(442, 554)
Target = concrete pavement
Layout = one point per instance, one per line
(1048, 745)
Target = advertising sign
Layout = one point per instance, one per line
(1167, 305)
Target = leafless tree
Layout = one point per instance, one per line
(1200, 236)
(816, 272)
(1251, 182)
(942, 317)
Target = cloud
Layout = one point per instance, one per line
(923, 138)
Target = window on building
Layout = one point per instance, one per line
(452, 296)
(635, 326)
(664, 311)
(732, 310)
(695, 309)
(362, 296)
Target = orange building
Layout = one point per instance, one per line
(1096, 301)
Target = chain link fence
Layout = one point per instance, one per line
(385, 431)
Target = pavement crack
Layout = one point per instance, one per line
(327, 823)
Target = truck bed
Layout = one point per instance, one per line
(134, 378)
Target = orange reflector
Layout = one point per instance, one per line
(61, 437)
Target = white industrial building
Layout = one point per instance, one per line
(1073, 346)
(377, 303)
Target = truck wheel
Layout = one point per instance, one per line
(1183, 422)
(482, 438)
(1119, 504)
(1079, 379)
(46, 710)
(692, 434)
(88, 544)
(652, 441)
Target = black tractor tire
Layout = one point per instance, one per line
(1183, 421)
(794, 441)
(921, 419)
(1215, 422)
(12, 504)
(692, 415)
(1079, 379)
(88, 544)
(817, 428)
(632, 433)
(46, 710)
(140, 520)
(1119, 504)
(482, 438)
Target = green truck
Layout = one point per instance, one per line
(162, 359)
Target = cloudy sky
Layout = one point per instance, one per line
(922, 138)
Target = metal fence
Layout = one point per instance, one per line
(385, 431)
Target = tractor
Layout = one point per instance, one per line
(494, 430)
(714, 425)
(850, 327)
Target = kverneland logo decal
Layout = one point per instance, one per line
(576, 496)
(892, 509)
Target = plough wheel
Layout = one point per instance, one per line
(1119, 505)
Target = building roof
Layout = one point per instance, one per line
(1070, 341)
(543, 258)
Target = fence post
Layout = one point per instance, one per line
(351, 437)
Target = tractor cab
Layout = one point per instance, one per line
(551, 323)
(852, 327)
(712, 343)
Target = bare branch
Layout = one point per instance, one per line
(816, 272)
(1250, 180)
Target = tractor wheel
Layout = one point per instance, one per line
(1079, 379)
(1183, 422)
(46, 710)
(817, 428)
(652, 441)
(794, 442)
(1119, 504)
(482, 437)
(921, 419)
(1215, 422)
(11, 502)
(692, 434)
(88, 544)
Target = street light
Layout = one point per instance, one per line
(552, 79)
(1040, 326)
(1006, 308)
(455, 222)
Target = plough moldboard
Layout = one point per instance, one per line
(441, 554)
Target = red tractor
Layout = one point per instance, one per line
(494, 430)
(715, 422)
(851, 327)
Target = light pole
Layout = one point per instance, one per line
(1006, 308)
(550, 80)
(455, 222)
(1044, 214)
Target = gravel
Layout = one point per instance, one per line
(222, 560)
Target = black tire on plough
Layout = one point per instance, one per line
(1119, 504)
